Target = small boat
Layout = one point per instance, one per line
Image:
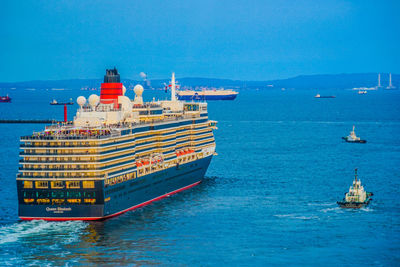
(357, 197)
(352, 138)
(5, 99)
(324, 96)
(362, 92)
(55, 102)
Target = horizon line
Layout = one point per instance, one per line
(197, 77)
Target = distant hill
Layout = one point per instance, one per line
(322, 81)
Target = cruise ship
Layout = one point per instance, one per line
(207, 95)
(116, 155)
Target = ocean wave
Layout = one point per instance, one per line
(322, 204)
(367, 209)
(283, 215)
(335, 209)
(14, 232)
(297, 216)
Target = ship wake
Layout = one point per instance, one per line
(37, 229)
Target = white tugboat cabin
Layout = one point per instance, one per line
(357, 197)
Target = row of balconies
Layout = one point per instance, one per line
(57, 152)
(61, 175)
(62, 137)
(57, 168)
(45, 144)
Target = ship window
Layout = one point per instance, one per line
(28, 184)
(89, 194)
(29, 194)
(73, 194)
(73, 184)
(57, 201)
(74, 201)
(88, 184)
(44, 194)
(41, 184)
(59, 194)
(43, 200)
(90, 200)
(28, 200)
(57, 184)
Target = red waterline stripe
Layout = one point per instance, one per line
(112, 215)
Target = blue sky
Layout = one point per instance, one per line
(248, 40)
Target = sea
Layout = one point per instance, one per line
(268, 198)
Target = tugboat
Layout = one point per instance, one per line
(5, 99)
(356, 197)
(352, 138)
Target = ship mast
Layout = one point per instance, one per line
(173, 86)
(390, 80)
(355, 175)
(356, 185)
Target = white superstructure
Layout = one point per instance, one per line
(356, 192)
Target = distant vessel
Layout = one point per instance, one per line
(55, 102)
(5, 99)
(390, 86)
(362, 92)
(324, 96)
(357, 197)
(207, 95)
(352, 138)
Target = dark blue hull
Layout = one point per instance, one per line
(207, 97)
(119, 198)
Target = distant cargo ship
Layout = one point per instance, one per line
(324, 96)
(207, 95)
(5, 99)
(55, 102)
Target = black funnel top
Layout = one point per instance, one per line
(112, 76)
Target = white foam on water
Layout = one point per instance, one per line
(284, 215)
(335, 209)
(297, 216)
(14, 232)
(321, 204)
(306, 217)
(367, 209)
